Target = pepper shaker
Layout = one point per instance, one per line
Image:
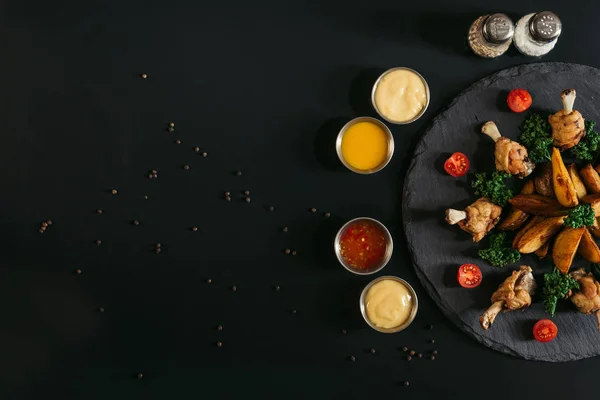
(536, 34)
(490, 35)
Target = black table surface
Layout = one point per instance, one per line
(259, 86)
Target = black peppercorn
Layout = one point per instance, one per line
(405, 348)
(372, 351)
(196, 149)
(248, 199)
(239, 173)
(158, 250)
(98, 242)
(420, 355)
(430, 327)
(41, 231)
(287, 251)
(227, 194)
(114, 191)
(158, 245)
(285, 229)
(412, 352)
(408, 358)
(49, 222)
(140, 375)
(99, 211)
(195, 229)
(144, 76)
(227, 198)
(219, 344)
(432, 358)
(233, 288)
(178, 141)
(406, 383)
(344, 331)
(432, 341)
(313, 210)
(434, 352)
(78, 271)
(294, 311)
(136, 222)
(44, 224)
(209, 280)
(247, 192)
(172, 124)
(327, 215)
(271, 208)
(101, 309)
(204, 154)
(294, 252)
(220, 327)
(277, 288)
(154, 172)
(186, 167)
(352, 358)
(171, 129)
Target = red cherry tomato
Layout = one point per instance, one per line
(469, 276)
(519, 100)
(544, 330)
(457, 165)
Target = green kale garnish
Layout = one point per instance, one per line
(536, 135)
(499, 254)
(493, 188)
(581, 215)
(588, 147)
(556, 286)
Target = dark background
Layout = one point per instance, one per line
(260, 86)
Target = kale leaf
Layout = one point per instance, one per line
(499, 254)
(556, 286)
(536, 135)
(493, 188)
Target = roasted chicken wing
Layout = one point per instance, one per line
(587, 298)
(568, 126)
(477, 219)
(513, 294)
(510, 156)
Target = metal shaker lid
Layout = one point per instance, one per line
(545, 26)
(498, 28)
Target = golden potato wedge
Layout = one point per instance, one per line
(590, 178)
(594, 201)
(577, 182)
(536, 219)
(539, 234)
(515, 218)
(565, 247)
(543, 251)
(588, 248)
(536, 204)
(595, 230)
(563, 185)
(543, 180)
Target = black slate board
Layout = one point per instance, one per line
(438, 249)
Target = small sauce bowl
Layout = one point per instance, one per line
(413, 313)
(388, 249)
(390, 144)
(376, 84)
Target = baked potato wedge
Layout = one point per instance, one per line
(590, 178)
(595, 230)
(594, 201)
(536, 219)
(515, 218)
(539, 234)
(577, 182)
(588, 248)
(536, 204)
(561, 180)
(565, 247)
(543, 180)
(543, 251)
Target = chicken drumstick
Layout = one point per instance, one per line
(568, 126)
(477, 219)
(587, 298)
(510, 156)
(513, 294)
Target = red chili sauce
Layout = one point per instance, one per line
(363, 245)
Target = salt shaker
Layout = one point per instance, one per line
(491, 35)
(536, 34)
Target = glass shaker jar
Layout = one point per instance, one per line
(536, 34)
(491, 35)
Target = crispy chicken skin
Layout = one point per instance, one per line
(510, 156)
(568, 125)
(513, 294)
(587, 298)
(477, 219)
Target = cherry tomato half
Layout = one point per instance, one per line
(544, 330)
(519, 100)
(457, 165)
(469, 276)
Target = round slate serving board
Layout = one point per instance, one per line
(438, 249)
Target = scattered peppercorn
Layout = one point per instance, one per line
(219, 344)
(412, 352)
(41, 230)
(154, 171)
(277, 288)
(432, 358)
(285, 229)
(430, 327)
(144, 76)
(432, 341)
(196, 149)
(247, 192)
(287, 251)
(352, 358)
(248, 200)
(294, 252)
(327, 215)
(98, 242)
(204, 154)
(344, 331)
(406, 383)
(271, 208)
(178, 141)
(372, 351)
(233, 288)
(101, 309)
(195, 229)
(227, 193)
(209, 280)
(172, 124)
(227, 198)
(405, 348)
(220, 327)
(313, 210)
(136, 222)
(294, 311)
(239, 173)
(157, 245)
(99, 211)
(434, 352)
(420, 355)
(408, 358)
(140, 375)
(114, 191)
(49, 222)
(78, 271)
(44, 224)
(158, 250)
(186, 167)
(171, 129)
